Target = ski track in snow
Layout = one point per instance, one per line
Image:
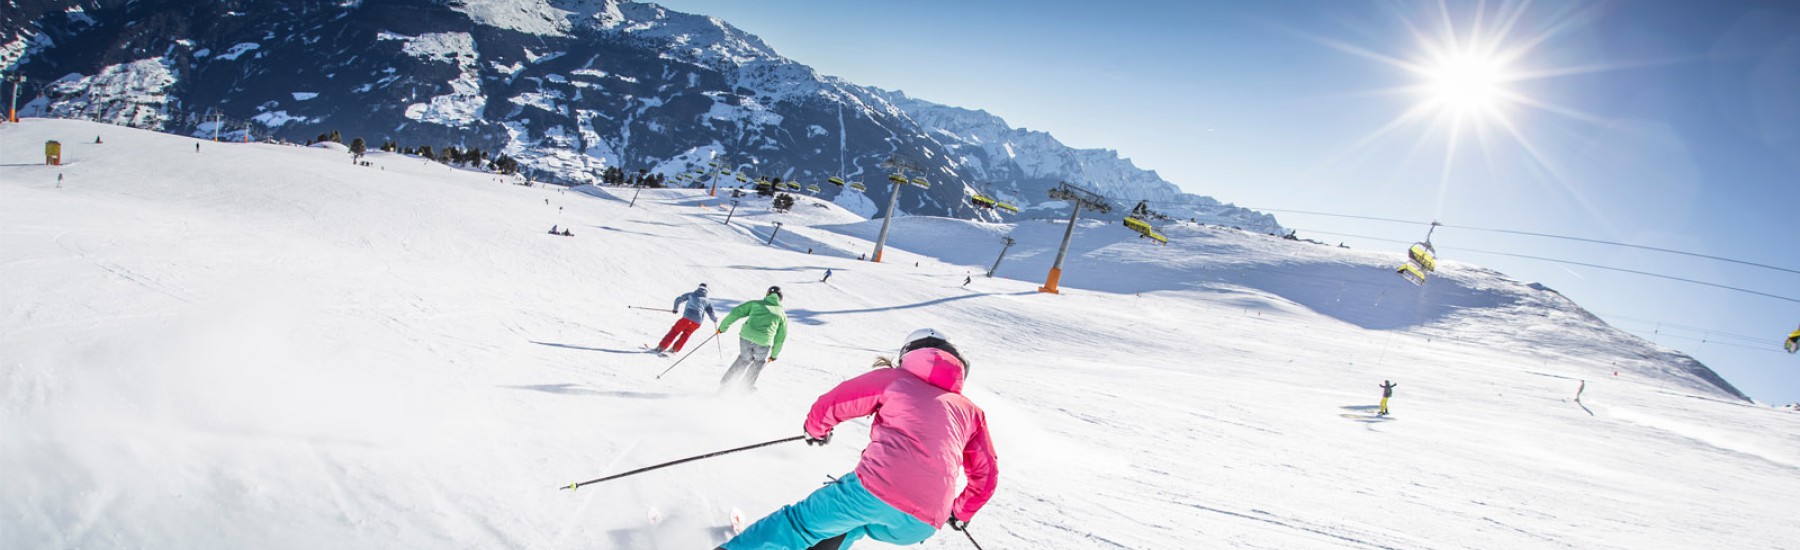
(400, 357)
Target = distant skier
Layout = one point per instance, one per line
(567, 233)
(697, 304)
(196, 147)
(827, 275)
(759, 343)
(553, 230)
(1387, 390)
(903, 490)
(967, 278)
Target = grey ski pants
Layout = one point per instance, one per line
(750, 360)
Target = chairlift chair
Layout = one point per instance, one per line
(1411, 272)
(857, 185)
(1424, 255)
(836, 181)
(898, 179)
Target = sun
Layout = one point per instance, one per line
(1466, 78)
(1466, 83)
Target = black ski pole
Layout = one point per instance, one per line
(573, 486)
(690, 353)
(965, 532)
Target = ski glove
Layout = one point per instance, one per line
(820, 441)
(958, 524)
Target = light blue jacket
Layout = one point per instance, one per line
(696, 303)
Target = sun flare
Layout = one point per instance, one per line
(1466, 83)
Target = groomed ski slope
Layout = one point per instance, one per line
(263, 346)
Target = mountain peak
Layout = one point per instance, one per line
(541, 17)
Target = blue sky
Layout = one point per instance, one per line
(1669, 124)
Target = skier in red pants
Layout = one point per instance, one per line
(697, 303)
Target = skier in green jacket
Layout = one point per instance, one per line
(759, 343)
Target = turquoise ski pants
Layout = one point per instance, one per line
(841, 508)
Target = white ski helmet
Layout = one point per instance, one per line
(922, 334)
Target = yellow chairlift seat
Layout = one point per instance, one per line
(742, 179)
(921, 183)
(725, 171)
(1424, 255)
(857, 185)
(1143, 228)
(812, 188)
(897, 178)
(1793, 342)
(1007, 207)
(981, 202)
(836, 181)
(1410, 271)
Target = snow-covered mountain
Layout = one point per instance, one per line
(400, 356)
(568, 87)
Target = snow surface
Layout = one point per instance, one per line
(134, 93)
(465, 102)
(264, 346)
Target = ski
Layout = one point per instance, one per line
(737, 522)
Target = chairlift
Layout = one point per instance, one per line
(836, 181)
(1006, 206)
(921, 183)
(1421, 258)
(857, 185)
(1793, 341)
(980, 201)
(1144, 229)
(1410, 271)
(742, 179)
(898, 179)
(812, 188)
(1424, 255)
(727, 172)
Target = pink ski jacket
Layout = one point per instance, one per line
(924, 431)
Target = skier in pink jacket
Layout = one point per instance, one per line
(904, 488)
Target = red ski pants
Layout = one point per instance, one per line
(678, 334)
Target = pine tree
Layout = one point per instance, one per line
(358, 147)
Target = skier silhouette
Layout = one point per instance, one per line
(1387, 390)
